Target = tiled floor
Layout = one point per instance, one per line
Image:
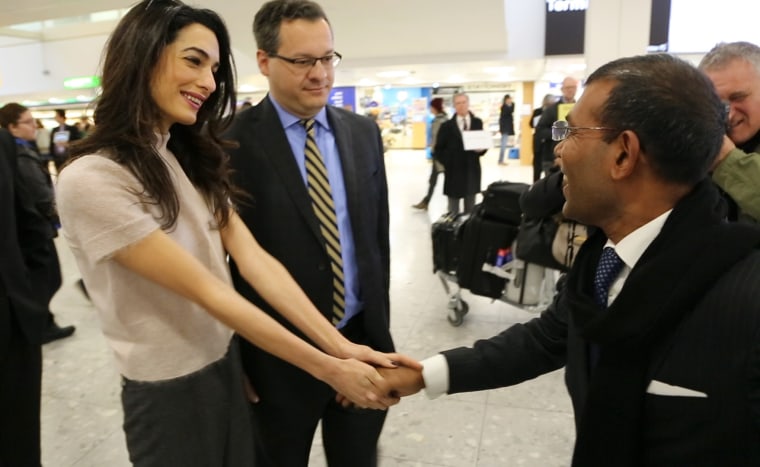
(527, 425)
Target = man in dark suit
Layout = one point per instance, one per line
(658, 322)
(543, 145)
(328, 226)
(21, 323)
(462, 180)
(60, 138)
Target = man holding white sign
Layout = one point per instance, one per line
(462, 162)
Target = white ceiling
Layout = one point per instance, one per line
(433, 41)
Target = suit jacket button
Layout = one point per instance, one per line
(322, 267)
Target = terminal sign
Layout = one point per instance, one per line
(567, 5)
(83, 82)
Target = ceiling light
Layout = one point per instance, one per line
(393, 74)
(455, 79)
(367, 82)
(498, 70)
(411, 80)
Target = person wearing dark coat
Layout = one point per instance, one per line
(506, 125)
(60, 137)
(21, 328)
(35, 194)
(462, 167)
(543, 145)
(535, 117)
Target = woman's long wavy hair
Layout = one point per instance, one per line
(127, 117)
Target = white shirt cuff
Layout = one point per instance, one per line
(435, 372)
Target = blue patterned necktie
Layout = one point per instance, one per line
(607, 270)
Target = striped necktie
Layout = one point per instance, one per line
(322, 201)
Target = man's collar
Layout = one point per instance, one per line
(753, 145)
(289, 119)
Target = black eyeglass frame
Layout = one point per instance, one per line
(306, 63)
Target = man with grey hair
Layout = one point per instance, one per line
(734, 69)
(463, 171)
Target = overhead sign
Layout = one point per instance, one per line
(82, 82)
(565, 27)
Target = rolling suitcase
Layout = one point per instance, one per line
(446, 242)
(482, 238)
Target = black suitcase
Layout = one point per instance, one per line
(446, 242)
(481, 239)
(501, 201)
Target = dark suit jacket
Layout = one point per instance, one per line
(74, 134)
(281, 218)
(462, 167)
(16, 297)
(543, 146)
(715, 349)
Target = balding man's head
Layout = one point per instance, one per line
(569, 88)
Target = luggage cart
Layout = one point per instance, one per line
(539, 282)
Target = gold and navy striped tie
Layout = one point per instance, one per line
(322, 201)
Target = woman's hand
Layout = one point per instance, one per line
(373, 357)
(360, 384)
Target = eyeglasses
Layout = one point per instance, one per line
(27, 122)
(304, 64)
(561, 130)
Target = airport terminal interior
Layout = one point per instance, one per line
(397, 56)
(526, 425)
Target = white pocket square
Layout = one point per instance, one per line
(664, 389)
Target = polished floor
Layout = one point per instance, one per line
(527, 425)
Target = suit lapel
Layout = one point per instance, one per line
(276, 149)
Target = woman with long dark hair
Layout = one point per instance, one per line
(148, 210)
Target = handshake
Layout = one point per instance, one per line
(395, 383)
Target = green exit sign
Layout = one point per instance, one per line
(83, 82)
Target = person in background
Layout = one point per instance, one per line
(22, 320)
(84, 125)
(538, 166)
(506, 126)
(34, 192)
(543, 144)
(462, 166)
(148, 210)
(60, 137)
(439, 116)
(654, 343)
(42, 140)
(734, 69)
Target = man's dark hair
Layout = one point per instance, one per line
(673, 109)
(266, 23)
(61, 113)
(10, 114)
